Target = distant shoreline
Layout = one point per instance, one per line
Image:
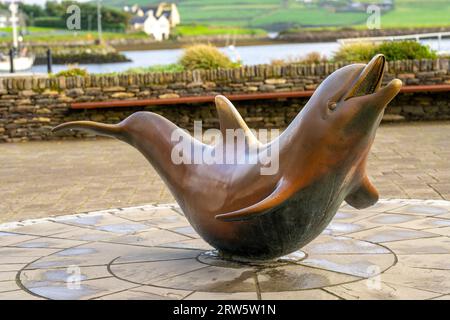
(174, 44)
(301, 36)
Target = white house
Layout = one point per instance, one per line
(170, 10)
(159, 28)
(156, 21)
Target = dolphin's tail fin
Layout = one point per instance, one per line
(110, 130)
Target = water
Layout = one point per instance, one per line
(250, 55)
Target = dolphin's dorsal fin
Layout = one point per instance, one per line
(364, 195)
(229, 118)
(281, 193)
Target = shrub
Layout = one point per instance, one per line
(358, 52)
(310, 58)
(72, 72)
(173, 67)
(50, 22)
(404, 50)
(393, 50)
(313, 57)
(202, 56)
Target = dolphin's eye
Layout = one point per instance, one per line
(332, 105)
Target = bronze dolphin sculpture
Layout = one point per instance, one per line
(322, 158)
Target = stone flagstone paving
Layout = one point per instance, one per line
(397, 249)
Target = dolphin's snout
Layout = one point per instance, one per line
(369, 80)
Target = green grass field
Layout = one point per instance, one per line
(203, 30)
(268, 13)
(50, 35)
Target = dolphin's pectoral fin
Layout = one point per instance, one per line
(229, 118)
(365, 195)
(281, 193)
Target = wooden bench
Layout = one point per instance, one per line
(232, 97)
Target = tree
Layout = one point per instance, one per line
(55, 15)
(32, 11)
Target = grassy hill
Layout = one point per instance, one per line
(278, 14)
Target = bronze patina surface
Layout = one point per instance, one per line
(322, 157)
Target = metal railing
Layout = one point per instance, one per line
(417, 37)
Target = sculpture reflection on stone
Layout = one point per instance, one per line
(322, 162)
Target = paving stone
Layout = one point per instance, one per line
(387, 234)
(153, 272)
(132, 295)
(290, 277)
(421, 246)
(151, 237)
(315, 294)
(26, 252)
(375, 209)
(330, 245)
(222, 296)
(18, 295)
(86, 290)
(34, 277)
(432, 280)
(429, 261)
(7, 276)
(426, 223)
(187, 231)
(189, 244)
(140, 254)
(391, 219)
(123, 228)
(9, 285)
(11, 266)
(86, 234)
(355, 265)
(167, 293)
(377, 290)
(46, 228)
(422, 210)
(90, 254)
(443, 297)
(7, 238)
(144, 214)
(340, 228)
(214, 279)
(49, 243)
(441, 231)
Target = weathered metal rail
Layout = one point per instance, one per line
(232, 97)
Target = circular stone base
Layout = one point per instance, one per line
(331, 261)
(395, 249)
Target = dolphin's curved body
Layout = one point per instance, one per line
(322, 157)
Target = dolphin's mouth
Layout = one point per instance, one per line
(369, 80)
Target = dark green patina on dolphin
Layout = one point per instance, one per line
(322, 160)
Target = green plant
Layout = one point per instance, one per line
(72, 72)
(188, 30)
(173, 67)
(358, 52)
(393, 50)
(404, 50)
(205, 56)
(313, 57)
(310, 58)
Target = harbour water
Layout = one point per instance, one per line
(250, 55)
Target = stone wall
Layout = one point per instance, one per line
(29, 107)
